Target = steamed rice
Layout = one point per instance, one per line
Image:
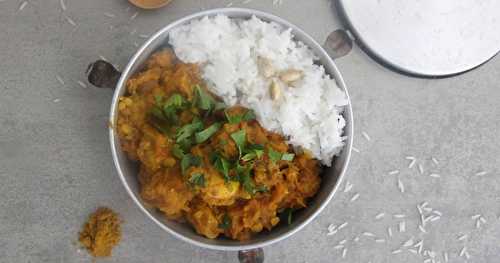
(309, 113)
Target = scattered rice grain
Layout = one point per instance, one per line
(342, 225)
(344, 252)
(414, 251)
(435, 175)
(331, 233)
(367, 137)
(348, 186)
(462, 237)
(410, 158)
(412, 163)
(408, 243)
(462, 251)
(397, 251)
(481, 173)
(134, 15)
(478, 224)
(22, 6)
(60, 80)
(342, 241)
(379, 240)
(338, 247)
(110, 15)
(368, 234)
(422, 229)
(70, 20)
(445, 256)
(380, 215)
(401, 186)
(62, 4)
(144, 36)
(355, 197)
(83, 85)
(402, 226)
(435, 161)
(476, 216)
(482, 219)
(399, 216)
(389, 231)
(420, 168)
(355, 149)
(393, 172)
(56, 100)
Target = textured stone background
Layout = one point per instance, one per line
(56, 167)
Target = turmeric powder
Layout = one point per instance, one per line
(101, 232)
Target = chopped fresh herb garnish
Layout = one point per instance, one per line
(274, 156)
(158, 113)
(197, 179)
(207, 133)
(188, 130)
(249, 115)
(243, 175)
(226, 222)
(287, 157)
(189, 160)
(239, 138)
(249, 156)
(237, 118)
(203, 99)
(177, 151)
(176, 100)
(223, 166)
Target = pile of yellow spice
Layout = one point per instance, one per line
(101, 232)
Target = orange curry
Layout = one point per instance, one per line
(203, 162)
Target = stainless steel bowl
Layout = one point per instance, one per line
(127, 170)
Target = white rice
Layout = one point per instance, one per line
(309, 113)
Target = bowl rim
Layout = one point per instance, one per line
(317, 48)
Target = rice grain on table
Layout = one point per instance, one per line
(342, 225)
(476, 216)
(338, 247)
(309, 114)
(462, 251)
(422, 229)
(379, 240)
(435, 161)
(389, 231)
(402, 226)
(344, 252)
(70, 20)
(462, 237)
(62, 4)
(355, 149)
(414, 251)
(399, 216)
(482, 219)
(481, 173)
(22, 6)
(355, 197)
(348, 186)
(343, 241)
(393, 172)
(83, 85)
(435, 175)
(397, 251)
(380, 215)
(412, 163)
(366, 136)
(60, 80)
(421, 168)
(368, 234)
(134, 16)
(408, 243)
(401, 186)
(109, 15)
(445, 256)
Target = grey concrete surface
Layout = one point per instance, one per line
(56, 166)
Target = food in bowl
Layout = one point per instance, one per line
(228, 139)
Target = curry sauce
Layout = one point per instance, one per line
(213, 166)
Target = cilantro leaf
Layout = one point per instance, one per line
(189, 160)
(274, 156)
(249, 156)
(249, 115)
(239, 138)
(203, 99)
(197, 179)
(188, 130)
(177, 151)
(222, 165)
(287, 157)
(226, 222)
(207, 133)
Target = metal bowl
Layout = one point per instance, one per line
(128, 171)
